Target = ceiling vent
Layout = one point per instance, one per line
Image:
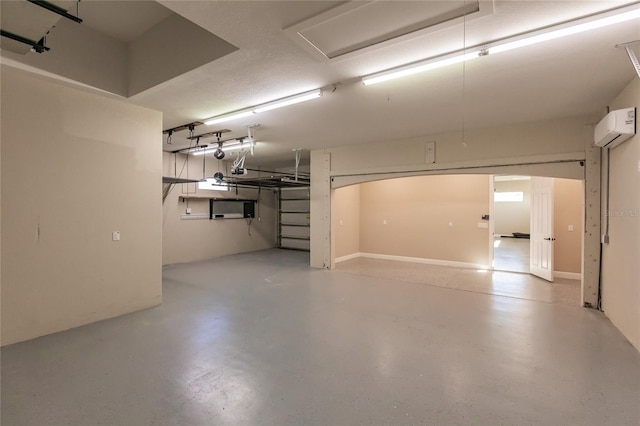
(356, 27)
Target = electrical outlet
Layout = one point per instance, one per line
(188, 210)
(570, 228)
(450, 224)
(384, 221)
(115, 235)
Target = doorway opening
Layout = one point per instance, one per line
(537, 226)
(512, 223)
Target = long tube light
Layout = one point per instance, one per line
(289, 100)
(562, 30)
(414, 68)
(228, 117)
(225, 148)
(574, 27)
(302, 97)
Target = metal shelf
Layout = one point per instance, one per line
(169, 179)
(295, 238)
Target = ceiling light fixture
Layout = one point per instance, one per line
(574, 27)
(289, 100)
(302, 97)
(225, 148)
(550, 33)
(229, 117)
(416, 67)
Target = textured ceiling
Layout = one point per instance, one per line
(573, 76)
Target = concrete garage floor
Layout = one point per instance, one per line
(499, 283)
(511, 254)
(261, 339)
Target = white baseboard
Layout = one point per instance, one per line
(348, 257)
(424, 260)
(567, 275)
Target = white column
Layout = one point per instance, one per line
(591, 236)
(321, 256)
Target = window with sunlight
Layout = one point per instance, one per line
(508, 197)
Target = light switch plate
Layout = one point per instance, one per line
(430, 150)
(115, 235)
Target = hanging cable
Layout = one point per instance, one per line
(204, 164)
(298, 155)
(464, 69)
(259, 192)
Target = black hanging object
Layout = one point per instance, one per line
(219, 153)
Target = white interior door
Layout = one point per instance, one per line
(541, 243)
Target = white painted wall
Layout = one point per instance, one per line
(190, 240)
(480, 147)
(620, 258)
(347, 217)
(75, 167)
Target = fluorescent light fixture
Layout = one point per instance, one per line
(550, 34)
(225, 148)
(228, 117)
(562, 30)
(414, 68)
(211, 184)
(288, 101)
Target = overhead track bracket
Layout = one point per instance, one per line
(209, 134)
(183, 127)
(37, 46)
(631, 53)
(56, 9)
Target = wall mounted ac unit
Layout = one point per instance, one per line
(615, 128)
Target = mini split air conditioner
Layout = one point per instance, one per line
(615, 128)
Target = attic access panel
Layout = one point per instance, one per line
(356, 27)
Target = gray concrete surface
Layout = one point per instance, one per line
(261, 339)
(499, 283)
